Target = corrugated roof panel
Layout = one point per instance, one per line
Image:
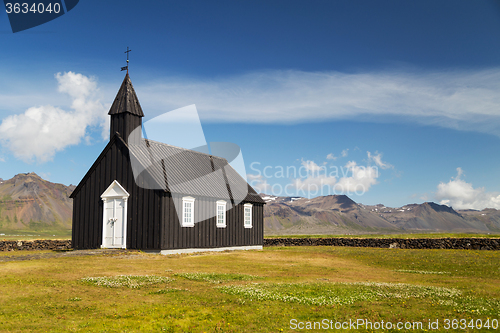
(188, 172)
(240, 189)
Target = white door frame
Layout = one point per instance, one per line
(114, 191)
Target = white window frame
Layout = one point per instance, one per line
(245, 224)
(185, 223)
(220, 203)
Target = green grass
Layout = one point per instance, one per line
(129, 281)
(217, 277)
(247, 291)
(34, 234)
(331, 294)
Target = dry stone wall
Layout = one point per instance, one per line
(400, 243)
(413, 243)
(52, 244)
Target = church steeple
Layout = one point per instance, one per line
(126, 112)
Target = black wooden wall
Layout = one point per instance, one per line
(205, 234)
(144, 206)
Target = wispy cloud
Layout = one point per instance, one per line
(312, 168)
(331, 157)
(462, 195)
(463, 100)
(377, 159)
(41, 131)
(343, 153)
(259, 183)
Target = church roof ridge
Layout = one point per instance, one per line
(126, 100)
(186, 149)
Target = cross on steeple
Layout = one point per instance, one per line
(126, 67)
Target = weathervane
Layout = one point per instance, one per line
(126, 67)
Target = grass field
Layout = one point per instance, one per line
(34, 234)
(274, 290)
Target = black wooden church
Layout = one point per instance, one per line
(203, 204)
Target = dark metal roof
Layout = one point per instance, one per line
(126, 100)
(240, 189)
(183, 171)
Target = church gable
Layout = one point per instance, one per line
(116, 146)
(115, 190)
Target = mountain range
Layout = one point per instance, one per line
(28, 202)
(338, 214)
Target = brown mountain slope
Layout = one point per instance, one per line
(489, 217)
(329, 214)
(428, 216)
(29, 202)
(337, 214)
(431, 216)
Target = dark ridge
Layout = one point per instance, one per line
(345, 201)
(442, 208)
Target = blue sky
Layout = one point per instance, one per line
(398, 100)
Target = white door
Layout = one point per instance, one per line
(115, 226)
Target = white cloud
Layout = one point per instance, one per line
(343, 153)
(377, 158)
(41, 131)
(259, 183)
(314, 183)
(45, 175)
(360, 181)
(313, 168)
(464, 100)
(462, 195)
(331, 157)
(355, 179)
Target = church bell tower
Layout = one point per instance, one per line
(126, 113)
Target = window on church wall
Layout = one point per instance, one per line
(247, 215)
(188, 212)
(221, 214)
